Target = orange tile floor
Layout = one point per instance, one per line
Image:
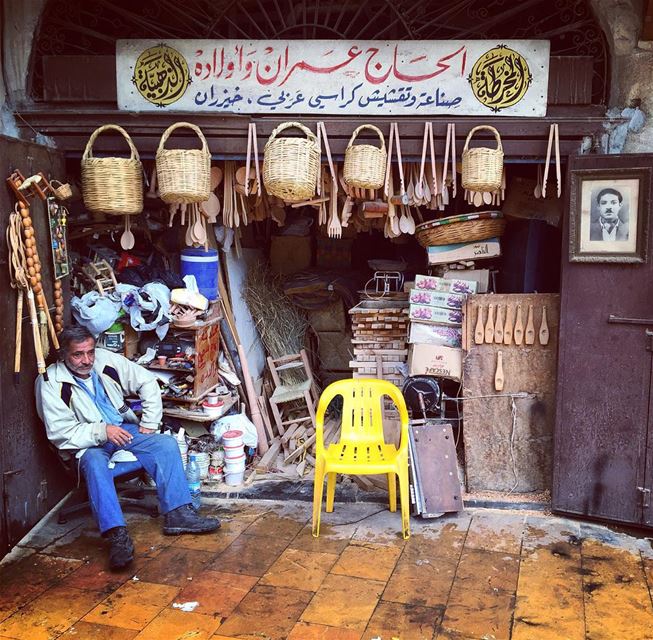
(486, 574)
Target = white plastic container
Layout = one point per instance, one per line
(233, 438)
(234, 479)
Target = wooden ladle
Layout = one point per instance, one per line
(127, 239)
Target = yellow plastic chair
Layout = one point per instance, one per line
(362, 448)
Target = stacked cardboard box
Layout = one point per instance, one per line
(436, 326)
(380, 335)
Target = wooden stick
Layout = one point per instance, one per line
(19, 335)
(36, 334)
(253, 404)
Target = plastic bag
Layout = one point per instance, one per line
(240, 422)
(95, 312)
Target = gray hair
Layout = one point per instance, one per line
(76, 333)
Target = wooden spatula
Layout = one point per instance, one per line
(498, 326)
(544, 329)
(498, 376)
(489, 325)
(529, 336)
(519, 327)
(507, 329)
(479, 331)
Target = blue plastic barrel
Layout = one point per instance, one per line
(204, 266)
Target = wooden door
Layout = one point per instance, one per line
(602, 441)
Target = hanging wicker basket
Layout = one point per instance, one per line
(482, 167)
(365, 164)
(112, 185)
(61, 192)
(462, 228)
(184, 175)
(290, 165)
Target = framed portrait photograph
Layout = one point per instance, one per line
(608, 216)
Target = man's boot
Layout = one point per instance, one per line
(121, 552)
(184, 520)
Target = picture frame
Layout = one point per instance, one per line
(609, 214)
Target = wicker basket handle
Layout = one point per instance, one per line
(88, 151)
(489, 128)
(288, 125)
(366, 126)
(177, 125)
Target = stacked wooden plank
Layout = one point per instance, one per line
(380, 335)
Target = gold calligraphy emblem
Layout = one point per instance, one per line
(161, 75)
(500, 78)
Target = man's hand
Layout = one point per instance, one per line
(118, 436)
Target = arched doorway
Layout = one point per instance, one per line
(92, 27)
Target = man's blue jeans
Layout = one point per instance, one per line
(159, 455)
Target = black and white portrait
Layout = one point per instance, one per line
(608, 220)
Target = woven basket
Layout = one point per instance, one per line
(184, 175)
(482, 167)
(290, 165)
(442, 231)
(364, 163)
(61, 192)
(112, 185)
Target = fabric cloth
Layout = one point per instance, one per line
(159, 456)
(78, 424)
(148, 307)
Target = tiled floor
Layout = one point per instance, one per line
(482, 574)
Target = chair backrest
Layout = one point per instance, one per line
(362, 411)
(290, 369)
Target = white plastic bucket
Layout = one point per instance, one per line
(230, 453)
(233, 438)
(235, 478)
(203, 459)
(235, 464)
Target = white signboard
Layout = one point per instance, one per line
(419, 77)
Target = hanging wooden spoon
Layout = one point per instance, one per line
(216, 177)
(498, 326)
(127, 239)
(478, 199)
(498, 376)
(507, 329)
(487, 198)
(519, 327)
(479, 332)
(544, 329)
(199, 229)
(489, 325)
(529, 336)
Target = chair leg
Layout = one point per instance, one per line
(318, 488)
(277, 417)
(310, 406)
(405, 499)
(331, 491)
(392, 491)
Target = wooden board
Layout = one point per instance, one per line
(499, 457)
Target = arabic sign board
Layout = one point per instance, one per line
(419, 77)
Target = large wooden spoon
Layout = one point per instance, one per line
(127, 239)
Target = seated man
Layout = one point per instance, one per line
(85, 415)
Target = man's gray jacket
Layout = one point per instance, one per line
(72, 420)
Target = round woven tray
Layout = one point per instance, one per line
(451, 231)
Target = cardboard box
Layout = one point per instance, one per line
(435, 334)
(422, 313)
(481, 276)
(443, 254)
(429, 360)
(432, 283)
(437, 299)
